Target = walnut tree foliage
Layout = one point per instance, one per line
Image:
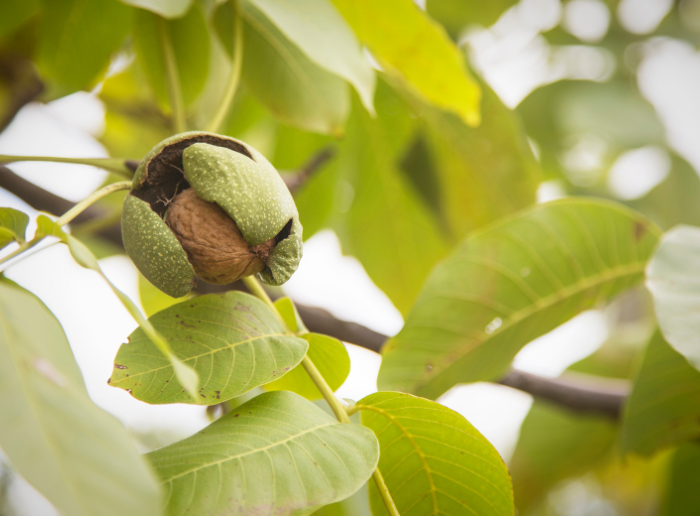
(383, 129)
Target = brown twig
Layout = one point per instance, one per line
(578, 393)
(295, 181)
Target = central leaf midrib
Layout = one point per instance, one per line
(543, 304)
(251, 452)
(210, 352)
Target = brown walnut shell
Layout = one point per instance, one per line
(214, 245)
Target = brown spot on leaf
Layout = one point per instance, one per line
(119, 366)
(639, 230)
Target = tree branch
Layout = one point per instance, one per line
(576, 392)
(295, 181)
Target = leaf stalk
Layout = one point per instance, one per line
(116, 165)
(236, 64)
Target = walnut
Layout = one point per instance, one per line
(214, 245)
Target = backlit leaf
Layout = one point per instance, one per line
(13, 226)
(165, 8)
(286, 81)
(510, 283)
(554, 445)
(330, 358)
(317, 28)
(681, 497)
(276, 454)
(78, 38)
(404, 38)
(673, 277)
(189, 36)
(74, 453)
(432, 460)
(233, 341)
(663, 408)
(387, 227)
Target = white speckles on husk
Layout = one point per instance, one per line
(249, 190)
(154, 249)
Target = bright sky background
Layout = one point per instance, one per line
(96, 324)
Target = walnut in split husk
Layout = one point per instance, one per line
(209, 206)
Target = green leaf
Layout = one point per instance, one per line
(432, 460)
(555, 445)
(276, 454)
(74, 453)
(78, 38)
(673, 277)
(388, 228)
(331, 359)
(190, 40)
(458, 15)
(166, 8)
(664, 406)
(404, 38)
(13, 226)
(486, 172)
(288, 310)
(285, 80)
(83, 256)
(319, 31)
(153, 300)
(681, 496)
(510, 283)
(47, 227)
(674, 201)
(15, 13)
(233, 341)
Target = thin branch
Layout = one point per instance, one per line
(236, 64)
(172, 78)
(579, 393)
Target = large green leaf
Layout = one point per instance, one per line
(317, 28)
(664, 406)
(189, 37)
(404, 38)
(165, 8)
(510, 283)
(554, 445)
(233, 341)
(388, 227)
(673, 277)
(74, 453)
(15, 13)
(432, 460)
(276, 454)
(13, 226)
(486, 172)
(681, 496)
(286, 81)
(78, 38)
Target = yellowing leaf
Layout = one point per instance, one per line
(403, 37)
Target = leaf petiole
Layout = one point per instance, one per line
(116, 165)
(341, 413)
(235, 70)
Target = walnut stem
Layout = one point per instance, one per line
(340, 412)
